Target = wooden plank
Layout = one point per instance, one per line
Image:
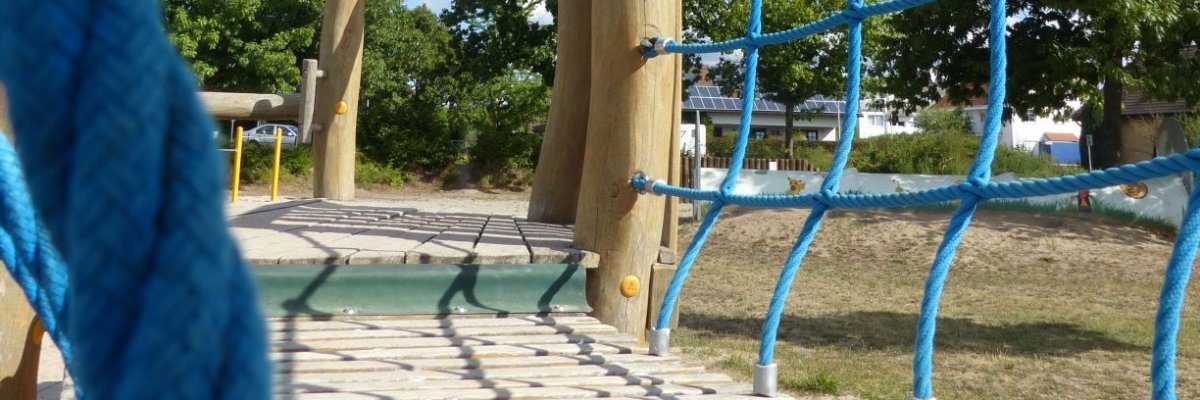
(500, 383)
(526, 393)
(555, 194)
(445, 332)
(502, 243)
(20, 342)
(311, 243)
(388, 243)
(396, 323)
(462, 352)
(552, 244)
(341, 55)
(465, 364)
(497, 373)
(455, 245)
(326, 345)
(269, 223)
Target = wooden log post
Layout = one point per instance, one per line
(337, 99)
(223, 105)
(629, 130)
(555, 195)
(670, 238)
(5, 124)
(20, 342)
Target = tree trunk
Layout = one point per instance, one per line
(1108, 141)
(337, 99)
(789, 139)
(556, 183)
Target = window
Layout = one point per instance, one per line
(719, 132)
(811, 135)
(1030, 116)
(760, 134)
(877, 120)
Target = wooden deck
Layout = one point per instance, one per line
(480, 358)
(320, 232)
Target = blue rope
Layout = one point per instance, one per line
(1170, 301)
(766, 349)
(975, 190)
(980, 172)
(27, 253)
(123, 171)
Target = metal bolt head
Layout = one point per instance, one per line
(349, 311)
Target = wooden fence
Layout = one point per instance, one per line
(762, 164)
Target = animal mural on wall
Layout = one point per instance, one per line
(795, 186)
(1137, 190)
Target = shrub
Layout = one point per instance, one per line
(941, 120)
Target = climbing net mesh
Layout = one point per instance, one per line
(975, 189)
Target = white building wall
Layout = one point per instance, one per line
(1021, 133)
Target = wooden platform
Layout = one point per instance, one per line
(321, 232)
(480, 358)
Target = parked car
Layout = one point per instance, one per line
(265, 135)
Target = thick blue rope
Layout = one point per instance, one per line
(27, 253)
(980, 172)
(770, 330)
(1170, 301)
(122, 168)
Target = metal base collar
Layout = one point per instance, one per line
(660, 341)
(914, 397)
(766, 379)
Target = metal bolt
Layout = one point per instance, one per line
(556, 307)
(349, 311)
(460, 309)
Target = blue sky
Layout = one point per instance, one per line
(541, 15)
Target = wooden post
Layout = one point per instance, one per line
(20, 342)
(555, 194)
(670, 237)
(308, 91)
(337, 99)
(5, 124)
(629, 130)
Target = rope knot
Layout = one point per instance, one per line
(975, 186)
(825, 196)
(854, 12)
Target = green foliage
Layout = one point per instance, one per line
(723, 147)
(369, 174)
(494, 37)
(1191, 127)
(1059, 51)
(941, 120)
(403, 121)
(506, 147)
(257, 162)
(818, 157)
(245, 45)
(940, 154)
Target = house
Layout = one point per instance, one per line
(1062, 147)
(1025, 132)
(1150, 128)
(817, 119)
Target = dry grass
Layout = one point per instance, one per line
(1036, 306)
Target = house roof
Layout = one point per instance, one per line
(709, 98)
(1136, 103)
(1060, 137)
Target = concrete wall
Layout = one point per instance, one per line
(1166, 200)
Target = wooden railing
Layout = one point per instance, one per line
(762, 164)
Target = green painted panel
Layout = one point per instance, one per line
(338, 290)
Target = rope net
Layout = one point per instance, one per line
(977, 188)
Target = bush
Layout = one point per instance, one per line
(370, 174)
(941, 121)
(723, 147)
(257, 162)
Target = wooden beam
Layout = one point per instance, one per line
(670, 238)
(252, 105)
(555, 195)
(629, 130)
(20, 342)
(337, 99)
(660, 280)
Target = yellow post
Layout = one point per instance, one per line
(237, 163)
(275, 169)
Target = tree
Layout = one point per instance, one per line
(495, 37)
(245, 45)
(788, 73)
(403, 120)
(944, 121)
(1060, 51)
